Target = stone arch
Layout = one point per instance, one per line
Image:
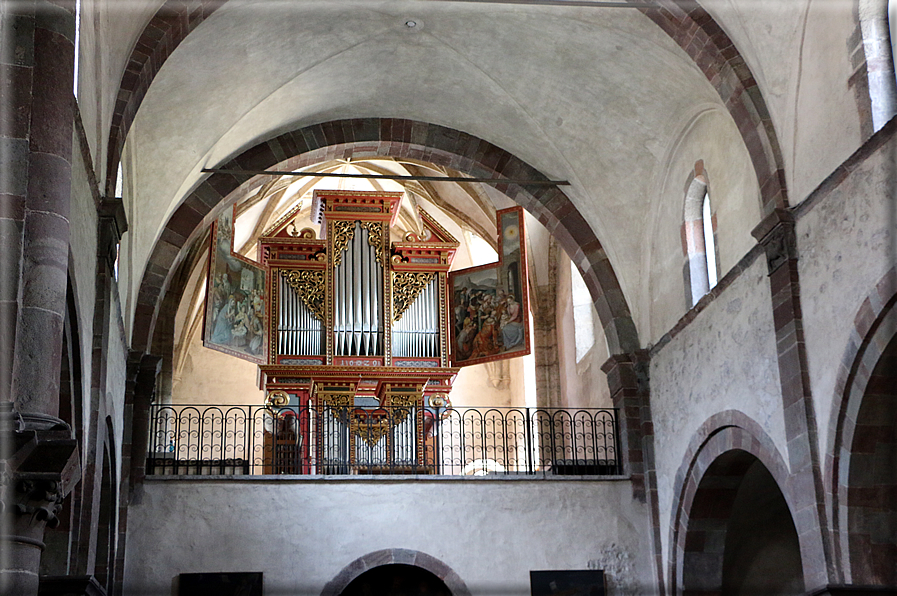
(733, 442)
(395, 138)
(860, 375)
(685, 21)
(396, 556)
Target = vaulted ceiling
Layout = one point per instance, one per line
(599, 97)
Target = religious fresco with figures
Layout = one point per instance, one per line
(235, 321)
(489, 316)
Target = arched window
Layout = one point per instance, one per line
(698, 239)
(584, 329)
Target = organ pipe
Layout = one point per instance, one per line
(416, 334)
(299, 332)
(357, 297)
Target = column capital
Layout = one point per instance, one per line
(43, 466)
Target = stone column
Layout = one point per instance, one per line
(45, 237)
(40, 466)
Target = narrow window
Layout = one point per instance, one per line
(709, 242)
(77, 44)
(701, 269)
(583, 323)
(118, 182)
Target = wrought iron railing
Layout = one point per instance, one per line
(320, 439)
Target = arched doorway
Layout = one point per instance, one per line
(741, 538)
(396, 580)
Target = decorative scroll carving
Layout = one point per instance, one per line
(276, 399)
(343, 232)
(373, 425)
(406, 286)
(309, 285)
(370, 428)
(375, 239)
(339, 400)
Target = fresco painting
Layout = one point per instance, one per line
(489, 319)
(235, 309)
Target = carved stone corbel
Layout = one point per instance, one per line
(776, 235)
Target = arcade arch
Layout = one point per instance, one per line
(397, 579)
(385, 138)
(397, 559)
(733, 479)
(864, 444)
(196, 375)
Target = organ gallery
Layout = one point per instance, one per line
(359, 336)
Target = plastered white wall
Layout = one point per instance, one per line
(711, 136)
(83, 250)
(798, 52)
(109, 31)
(725, 359)
(583, 383)
(846, 244)
(300, 534)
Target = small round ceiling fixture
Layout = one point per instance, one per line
(412, 24)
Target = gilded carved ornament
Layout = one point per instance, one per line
(309, 285)
(375, 239)
(406, 286)
(343, 232)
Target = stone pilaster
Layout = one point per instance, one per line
(140, 389)
(628, 379)
(141, 394)
(776, 235)
(545, 335)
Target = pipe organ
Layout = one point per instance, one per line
(354, 332)
(358, 335)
